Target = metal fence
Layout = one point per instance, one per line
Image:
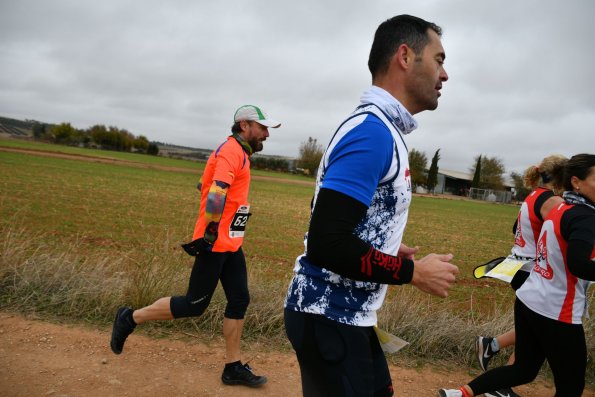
(495, 196)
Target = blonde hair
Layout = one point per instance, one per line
(551, 168)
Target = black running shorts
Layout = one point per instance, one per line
(337, 359)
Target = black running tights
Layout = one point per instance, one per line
(539, 338)
(208, 269)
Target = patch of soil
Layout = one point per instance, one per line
(38, 358)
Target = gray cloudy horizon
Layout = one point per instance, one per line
(520, 82)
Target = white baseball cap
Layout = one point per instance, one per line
(254, 113)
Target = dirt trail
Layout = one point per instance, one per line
(38, 358)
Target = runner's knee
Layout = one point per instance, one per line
(184, 306)
(236, 308)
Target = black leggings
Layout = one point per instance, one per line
(208, 269)
(539, 338)
(337, 360)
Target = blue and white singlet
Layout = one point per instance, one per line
(367, 159)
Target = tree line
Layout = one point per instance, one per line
(98, 136)
(488, 172)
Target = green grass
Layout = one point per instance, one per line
(78, 239)
(132, 157)
(110, 204)
(108, 207)
(106, 154)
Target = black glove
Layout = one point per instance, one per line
(211, 232)
(197, 246)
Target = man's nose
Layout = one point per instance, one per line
(443, 75)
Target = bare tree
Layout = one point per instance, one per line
(521, 192)
(310, 154)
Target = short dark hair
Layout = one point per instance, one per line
(401, 29)
(235, 128)
(580, 166)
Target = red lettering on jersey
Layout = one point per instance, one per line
(548, 272)
(518, 237)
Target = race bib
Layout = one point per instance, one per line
(506, 269)
(238, 223)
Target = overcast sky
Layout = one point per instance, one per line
(521, 73)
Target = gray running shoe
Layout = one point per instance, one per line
(484, 352)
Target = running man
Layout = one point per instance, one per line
(217, 246)
(360, 206)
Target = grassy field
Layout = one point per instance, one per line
(79, 238)
(127, 157)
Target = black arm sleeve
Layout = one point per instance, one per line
(333, 245)
(578, 228)
(579, 259)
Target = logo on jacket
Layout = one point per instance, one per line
(541, 260)
(518, 236)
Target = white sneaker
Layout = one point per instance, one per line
(449, 393)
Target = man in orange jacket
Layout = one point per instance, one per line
(217, 246)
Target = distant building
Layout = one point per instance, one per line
(458, 183)
(453, 182)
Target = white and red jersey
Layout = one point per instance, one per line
(551, 290)
(528, 226)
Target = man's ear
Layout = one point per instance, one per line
(404, 56)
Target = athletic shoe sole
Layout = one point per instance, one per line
(235, 382)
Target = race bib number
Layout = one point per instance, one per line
(238, 223)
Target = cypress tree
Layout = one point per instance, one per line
(477, 175)
(433, 172)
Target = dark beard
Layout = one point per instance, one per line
(256, 145)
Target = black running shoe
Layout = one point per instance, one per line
(242, 375)
(502, 393)
(121, 329)
(484, 352)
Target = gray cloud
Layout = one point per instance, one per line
(520, 85)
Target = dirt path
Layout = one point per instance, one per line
(38, 358)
